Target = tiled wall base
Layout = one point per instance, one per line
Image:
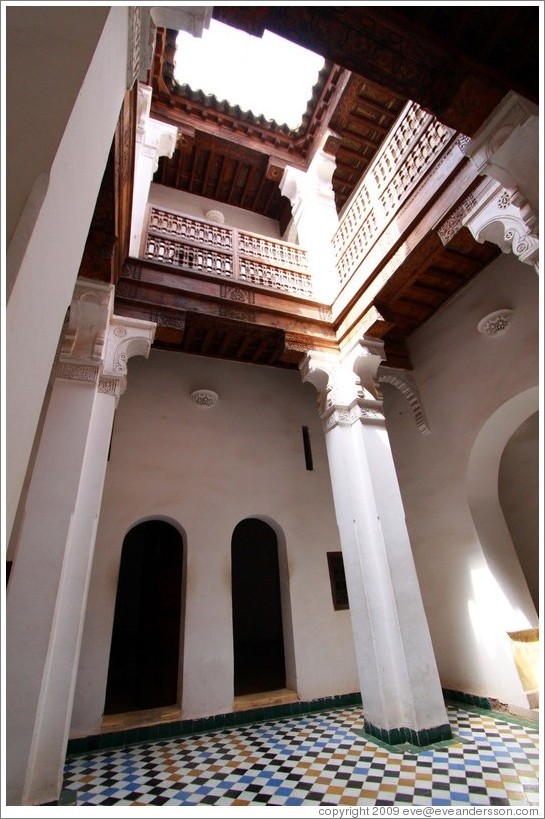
(119, 739)
(470, 699)
(407, 737)
(168, 730)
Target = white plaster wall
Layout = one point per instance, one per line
(472, 594)
(198, 206)
(48, 239)
(207, 469)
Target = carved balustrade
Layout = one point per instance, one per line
(208, 248)
(416, 143)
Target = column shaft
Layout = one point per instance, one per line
(48, 586)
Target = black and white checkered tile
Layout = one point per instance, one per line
(316, 759)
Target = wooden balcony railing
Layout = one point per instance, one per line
(208, 248)
(415, 144)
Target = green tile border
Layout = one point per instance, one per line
(408, 747)
(408, 737)
(503, 716)
(402, 739)
(219, 722)
(469, 699)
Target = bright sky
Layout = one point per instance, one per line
(268, 75)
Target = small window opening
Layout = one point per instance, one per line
(337, 578)
(307, 448)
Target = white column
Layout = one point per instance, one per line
(315, 216)
(401, 692)
(48, 586)
(153, 140)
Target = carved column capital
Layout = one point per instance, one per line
(346, 384)
(504, 216)
(126, 338)
(155, 138)
(82, 347)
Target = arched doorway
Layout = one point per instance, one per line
(518, 489)
(144, 655)
(258, 640)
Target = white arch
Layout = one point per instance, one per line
(484, 503)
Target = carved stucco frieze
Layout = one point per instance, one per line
(455, 221)
(77, 372)
(403, 381)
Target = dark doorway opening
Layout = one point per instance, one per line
(144, 655)
(257, 611)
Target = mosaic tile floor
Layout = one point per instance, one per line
(316, 759)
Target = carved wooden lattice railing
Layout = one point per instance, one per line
(206, 247)
(414, 146)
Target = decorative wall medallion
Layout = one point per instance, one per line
(496, 323)
(215, 216)
(205, 398)
(120, 331)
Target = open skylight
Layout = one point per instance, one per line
(268, 75)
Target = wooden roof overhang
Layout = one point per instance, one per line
(229, 156)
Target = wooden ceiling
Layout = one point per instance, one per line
(238, 158)
(235, 157)
(422, 285)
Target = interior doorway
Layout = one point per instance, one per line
(258, 640)
(144, 655)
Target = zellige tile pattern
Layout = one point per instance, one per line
(317, 759)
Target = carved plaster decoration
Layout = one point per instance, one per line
(326, 314)
(367, 362)
(136, 339)
(496, 323)
(90, 309)
(109, 385)
(297, 343)
(403, 381)
(341, 399)
(237, 314)
(455, 221)
(505, 217)
(205, 398)
(215, 216)
(134, 50)
(498, 142)
(132, 271)
(77, 372)
(237, 294)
